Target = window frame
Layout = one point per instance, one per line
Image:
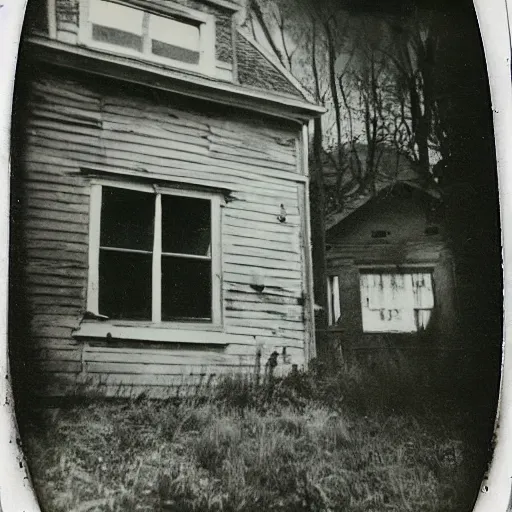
(172, 10)
(407, 270)
(216, 201)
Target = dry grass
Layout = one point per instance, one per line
(299, 448)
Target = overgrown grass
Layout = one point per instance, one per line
(303, 444)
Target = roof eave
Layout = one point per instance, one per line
(335, 219)
(105, 64)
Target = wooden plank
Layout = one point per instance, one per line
(38, 186)
(46, 297)
(57, 255)
(294, 348)
(252, 297)
(33, 212)
(255, 206)
(270, 263)
(51, 280)
(261, 254)
(57, 206)
(272, 276)
(59, 354)
(160, 357)
(59, 236)
(53, 291)
(260, 229)
(237, 238)
(58, 245)
(266, 218)
(163, 133)
(185, 334)
(263, 332)
(37, 194)
(52, 309)
(265, 307)
(157, 370)
(240, 283)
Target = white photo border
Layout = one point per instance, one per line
(16, 491)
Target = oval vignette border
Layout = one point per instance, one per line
(16, 492)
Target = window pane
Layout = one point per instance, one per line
(117, 37)
(127, 219)
(186, 225)
(186, 289)
(335, 300)
(125, 285)
(116, 16)
(396, 302)
(174, 39)
(169, 51)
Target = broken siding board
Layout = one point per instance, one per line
(271, 308)
(239, 283)
(252, 297)
(254, 206)
(253, 331)
(291, 221)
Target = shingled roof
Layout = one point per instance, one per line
(257, 68)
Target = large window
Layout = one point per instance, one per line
(180, 36)
(154, 255)
(396, 302)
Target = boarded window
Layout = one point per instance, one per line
(155, 256)
(334, 300)
(396, 302)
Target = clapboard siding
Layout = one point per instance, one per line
(73, 127)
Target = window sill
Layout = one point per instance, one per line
(207, 334)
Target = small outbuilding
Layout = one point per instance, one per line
(391, 285)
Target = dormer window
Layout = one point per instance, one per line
(173, 35)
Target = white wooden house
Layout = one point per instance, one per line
(160, 199)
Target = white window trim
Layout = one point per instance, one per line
(331, 306)
(216, 201)
(207, 63)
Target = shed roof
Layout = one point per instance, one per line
(408, 177)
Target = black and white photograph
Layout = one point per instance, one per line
(255, 257)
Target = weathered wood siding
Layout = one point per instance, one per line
(351, 248)
(72, 125)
